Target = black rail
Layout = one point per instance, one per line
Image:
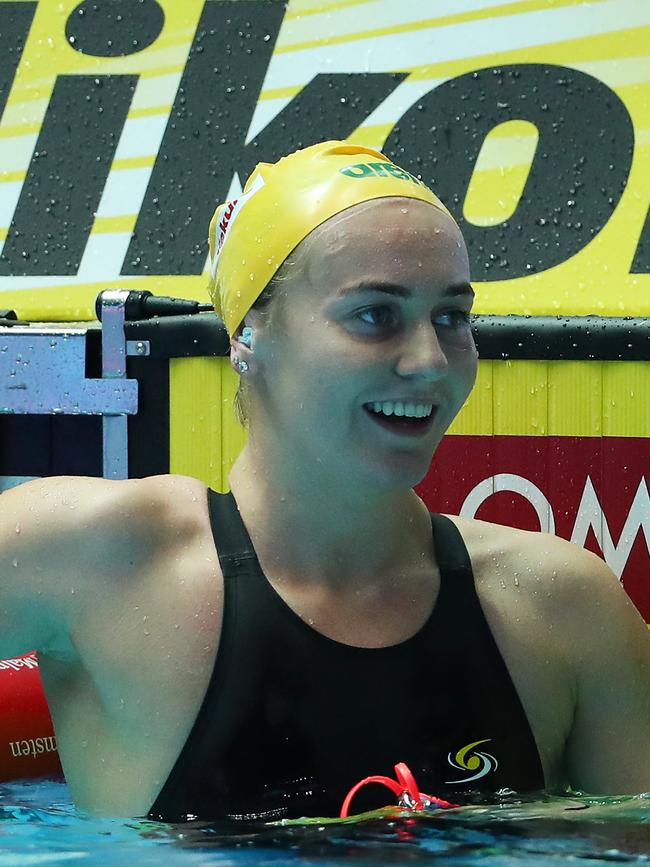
(570, 338)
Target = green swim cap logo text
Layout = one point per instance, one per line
(370, 170)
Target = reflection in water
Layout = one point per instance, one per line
(39, 825)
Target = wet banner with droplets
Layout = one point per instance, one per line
(122, 124)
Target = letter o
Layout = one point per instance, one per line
(359, 170)
(517, 485)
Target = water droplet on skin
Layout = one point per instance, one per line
(14, 563)
(17, 528)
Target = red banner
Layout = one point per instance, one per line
(27, 740)
(590, 490)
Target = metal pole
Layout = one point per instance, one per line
(115, 436)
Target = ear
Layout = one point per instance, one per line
(241, 347)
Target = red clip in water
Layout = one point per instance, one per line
(404, 787)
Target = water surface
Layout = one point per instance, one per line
(39, 825)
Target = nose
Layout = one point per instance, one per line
(421, 355)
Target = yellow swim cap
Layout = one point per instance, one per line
(252, 235)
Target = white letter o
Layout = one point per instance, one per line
(517, 485)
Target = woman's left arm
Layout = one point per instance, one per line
(608, 750)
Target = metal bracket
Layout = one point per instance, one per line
(42, 372)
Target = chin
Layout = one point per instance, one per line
(405, 470)
(399, 475)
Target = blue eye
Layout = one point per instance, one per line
(452, 319)
(380, 316)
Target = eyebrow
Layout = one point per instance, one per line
(399, 290)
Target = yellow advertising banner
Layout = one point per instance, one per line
(123, 124)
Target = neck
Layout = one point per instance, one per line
(347, 532)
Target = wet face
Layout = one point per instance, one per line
(372, 356)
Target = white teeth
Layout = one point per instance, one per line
(398, 407)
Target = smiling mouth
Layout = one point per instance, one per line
(411, 419)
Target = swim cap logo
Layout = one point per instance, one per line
(229, 213)
(477, 763)
(223, 223)
(382, 170)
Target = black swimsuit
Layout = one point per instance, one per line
(291, 720)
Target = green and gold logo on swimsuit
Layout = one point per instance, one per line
(468, 758)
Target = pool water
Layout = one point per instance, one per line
(39, 825)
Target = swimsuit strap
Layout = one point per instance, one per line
(451, 552)
(235, 548)
(233, 543)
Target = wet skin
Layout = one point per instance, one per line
(375, 309)
(118, 585)
(378, 309)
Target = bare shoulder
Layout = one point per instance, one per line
(536, 555)
(64, 539)
(556, 574)
(48, 507)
